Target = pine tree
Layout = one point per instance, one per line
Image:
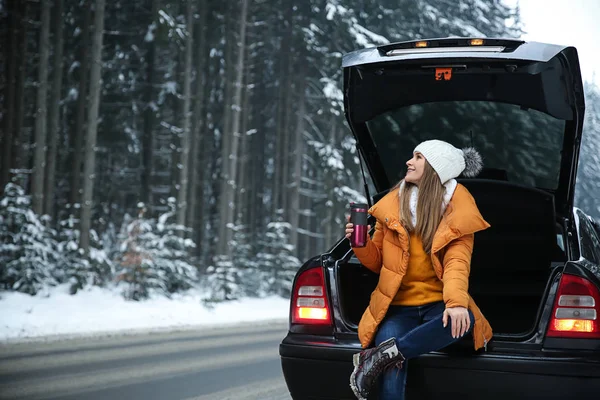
(28, 249)
(244, 260)
(133, 258)
(154, 256)
(224, 280)
(171, 252)
(277, 259)
(78, 270)
(230, 277)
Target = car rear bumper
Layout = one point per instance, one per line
(320, 369)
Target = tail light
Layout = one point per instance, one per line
(576, 309)
(309, 300)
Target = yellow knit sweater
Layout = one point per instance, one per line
(420, 285)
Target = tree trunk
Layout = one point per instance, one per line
(229, 187)
(39, 156)
(149, 110)
(305, 249)
(242, 193)
(19, 158)
(228, 78)
(177, 108)
(297, 156)
(9, 99)
(208, 186)
(257, 168)
(287, 140)
(92, 126)
(186, 135)
(225, 137)
(331, 228)
(78, 132)
(281, 132)
(196, 157)
(54, 115)
(316, 239)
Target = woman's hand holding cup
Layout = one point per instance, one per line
(350, 227)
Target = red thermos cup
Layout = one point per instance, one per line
(358, 217)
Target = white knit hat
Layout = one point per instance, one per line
(448, 161)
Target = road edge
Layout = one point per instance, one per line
(111, 334)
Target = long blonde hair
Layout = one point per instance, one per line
(429, 206)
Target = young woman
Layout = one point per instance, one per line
(421, 249)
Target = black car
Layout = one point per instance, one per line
(535, 273)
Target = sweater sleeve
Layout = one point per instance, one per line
(457, 267)
(370, 255)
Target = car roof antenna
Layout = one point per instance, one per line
(363, 175)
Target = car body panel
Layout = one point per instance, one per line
(321, 371)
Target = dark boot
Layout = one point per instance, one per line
(370, 363)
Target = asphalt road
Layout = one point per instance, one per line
(240, 363)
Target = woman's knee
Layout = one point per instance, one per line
(397, 323)
(385, 331)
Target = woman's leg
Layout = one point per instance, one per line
(431, 335)
(397, 323)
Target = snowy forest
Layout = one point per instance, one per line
(168, 145)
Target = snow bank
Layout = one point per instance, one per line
(104, 311)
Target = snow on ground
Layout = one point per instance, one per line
(104, 311)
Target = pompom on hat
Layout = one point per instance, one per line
(448, 161)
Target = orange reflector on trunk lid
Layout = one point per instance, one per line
(443, 74)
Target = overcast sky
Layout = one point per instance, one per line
(566, 22)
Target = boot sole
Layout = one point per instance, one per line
(353, 385)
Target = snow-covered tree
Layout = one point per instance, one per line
(27, 246)
(229, 277)
(224, 280)
(155, 256)
(277, 260)
(244, 259)
(170, 252)
(133, 259)
(78, 269)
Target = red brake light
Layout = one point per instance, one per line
(576, 309)
(309, 300)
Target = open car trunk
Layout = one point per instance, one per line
(520, 104)
(512, 262)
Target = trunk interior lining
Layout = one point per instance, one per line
(511, 262)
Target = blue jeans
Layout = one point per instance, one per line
(418, 330)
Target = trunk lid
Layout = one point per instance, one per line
(521, 104)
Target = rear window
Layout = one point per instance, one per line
(518, 145)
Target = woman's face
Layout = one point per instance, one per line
(416, 166)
